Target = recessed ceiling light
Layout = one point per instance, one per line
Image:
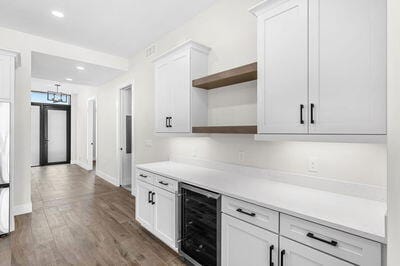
(80, 68)
(68, 79)
(58, 14)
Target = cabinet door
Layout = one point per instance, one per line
(283, 68)
(144, 206)
(162, 96)
(6, 76)
(348, 66)
(246, 244)
(180, 86)
(165, 216)
(295, 254)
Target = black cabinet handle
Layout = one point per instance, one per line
(166, 121)
(142, 175)
(149, 197)
(252, 214)
(271, 248)
(169, 121)
(283, 252)
(163, 183)
(312, 113)
(301, 113)
(152, 198)
(332, 242)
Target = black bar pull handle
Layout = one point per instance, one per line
(169, 121)
(149, 197)
(271, 248)
(252, 214)
(163, 183)
(283, 252)
(312, 106)
(331, 242)
(152, 198)
(301, 113)
(142, 175)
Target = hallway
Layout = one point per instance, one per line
(79, 219)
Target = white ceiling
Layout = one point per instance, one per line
(119, 27)
(58, 69)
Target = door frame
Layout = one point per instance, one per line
(89, 130)
(43, 131)
(119, 140)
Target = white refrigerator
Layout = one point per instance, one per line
(5, 120)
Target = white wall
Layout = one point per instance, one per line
(230, 30)
(79, 111)
(25, 44)
(393, 230)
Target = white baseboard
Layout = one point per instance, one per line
(107, 178)
(82, 164)
(22, 209)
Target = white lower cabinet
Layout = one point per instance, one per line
(144, 206)
(247, 244)
(156, 211)
(296, 254)
(164, 216)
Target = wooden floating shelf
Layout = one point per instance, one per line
(226, 129)
(229, 77)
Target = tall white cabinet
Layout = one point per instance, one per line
(178, 105)
(321, 67)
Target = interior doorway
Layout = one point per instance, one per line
(126, 137)
(92, 133)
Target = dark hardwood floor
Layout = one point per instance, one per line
(79, 219)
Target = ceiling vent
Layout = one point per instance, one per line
(149, 51)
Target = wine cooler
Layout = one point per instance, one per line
(199, 225)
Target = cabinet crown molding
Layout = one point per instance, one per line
(15, 54)
(183, 46)
(259, 8)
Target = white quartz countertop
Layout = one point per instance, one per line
(358, 216)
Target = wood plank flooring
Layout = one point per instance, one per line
(79, 219)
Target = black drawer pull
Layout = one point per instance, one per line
(283, 252)
(152, 198)
(332, 242)
(163, 183)
(301, 113)
(252, 214)
(271, 248)
(142, 175)
(149, 197)
(312, 113)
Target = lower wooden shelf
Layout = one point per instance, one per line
(226, 129)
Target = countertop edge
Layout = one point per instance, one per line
(366, 235)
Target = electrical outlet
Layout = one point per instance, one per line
(313, 164)
(194, 152)
(148, 143)
(241, 156)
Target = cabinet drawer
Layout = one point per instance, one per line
(340, 244)
(251, 213)
(166, 183)
(145, 176)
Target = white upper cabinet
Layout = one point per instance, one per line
(7, 65)
(282, 62)
(329, 56)
(348, 66)
(178, 105)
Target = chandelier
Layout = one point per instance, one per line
(57, 96)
